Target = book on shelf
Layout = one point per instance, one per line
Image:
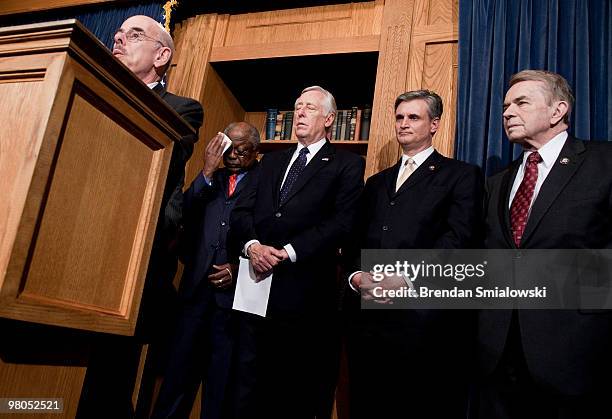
(287, 125)
(279, 126)
(271, 114)
(352, 124)
(364, 131)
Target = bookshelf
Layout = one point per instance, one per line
(365, 53)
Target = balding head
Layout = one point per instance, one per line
(145, 47)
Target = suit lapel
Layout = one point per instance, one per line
(391, 178)
(428, 168)
(159, 89)
(560, 174)
(318, 161)
(504, 199)
(277, 181)
(240, 186)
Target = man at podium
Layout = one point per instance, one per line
(146, 49)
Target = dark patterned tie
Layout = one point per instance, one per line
(519, 210)
(295, 170)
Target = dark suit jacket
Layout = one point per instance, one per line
(159, 296)
(438, 207)
(568, 350)
(207, 221)
(172, 201)
(315, 219)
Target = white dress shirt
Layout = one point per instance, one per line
(549, 153)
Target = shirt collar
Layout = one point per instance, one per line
(312, 148)
(420, 157)
(549, 151)
(152, 85)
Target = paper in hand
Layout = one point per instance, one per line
(251, 296)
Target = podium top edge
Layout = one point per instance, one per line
(37, 27)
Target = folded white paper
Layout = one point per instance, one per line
(250, 296)
(227, 142)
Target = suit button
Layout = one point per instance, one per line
(228, 202)
(223, 223)
(392, 203)
(385, 228)
(278, 215)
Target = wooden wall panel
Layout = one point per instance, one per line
(390, 82)
(43, 381)
(310, 23)
(427, 60)
(440, 75)
(220, 108)
(194, 76)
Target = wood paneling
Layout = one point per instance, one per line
(390, 82)
(421, 52)
(290, 48)
(309, 23)
(43, 381)
(193, 76)
(98, 189)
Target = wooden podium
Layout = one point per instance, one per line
(84, 151)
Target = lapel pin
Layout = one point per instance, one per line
(564, 160)
(432, 168)
(325, 158)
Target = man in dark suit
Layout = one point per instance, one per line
(425, 201)
(205, 334)
(291, 223)
(558, 194)
(146, 49)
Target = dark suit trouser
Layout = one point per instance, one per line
(202, 349)
(511, 393)
(395, 373)
(297, 361)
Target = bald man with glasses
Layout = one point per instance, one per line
(146, 49)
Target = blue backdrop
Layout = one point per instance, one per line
(498, 38)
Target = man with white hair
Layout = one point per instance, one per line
(291, 224)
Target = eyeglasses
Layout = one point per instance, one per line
(136, 35)
(240, 153)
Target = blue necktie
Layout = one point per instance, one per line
(295, 170)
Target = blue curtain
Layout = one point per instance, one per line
(103, 20)
(498, 38)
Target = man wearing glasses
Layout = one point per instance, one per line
(146, 49)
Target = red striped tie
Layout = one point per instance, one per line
(232, 184)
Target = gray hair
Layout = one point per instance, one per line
(557, 88)
(434, 102)
(329, 103)
(249, 129)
